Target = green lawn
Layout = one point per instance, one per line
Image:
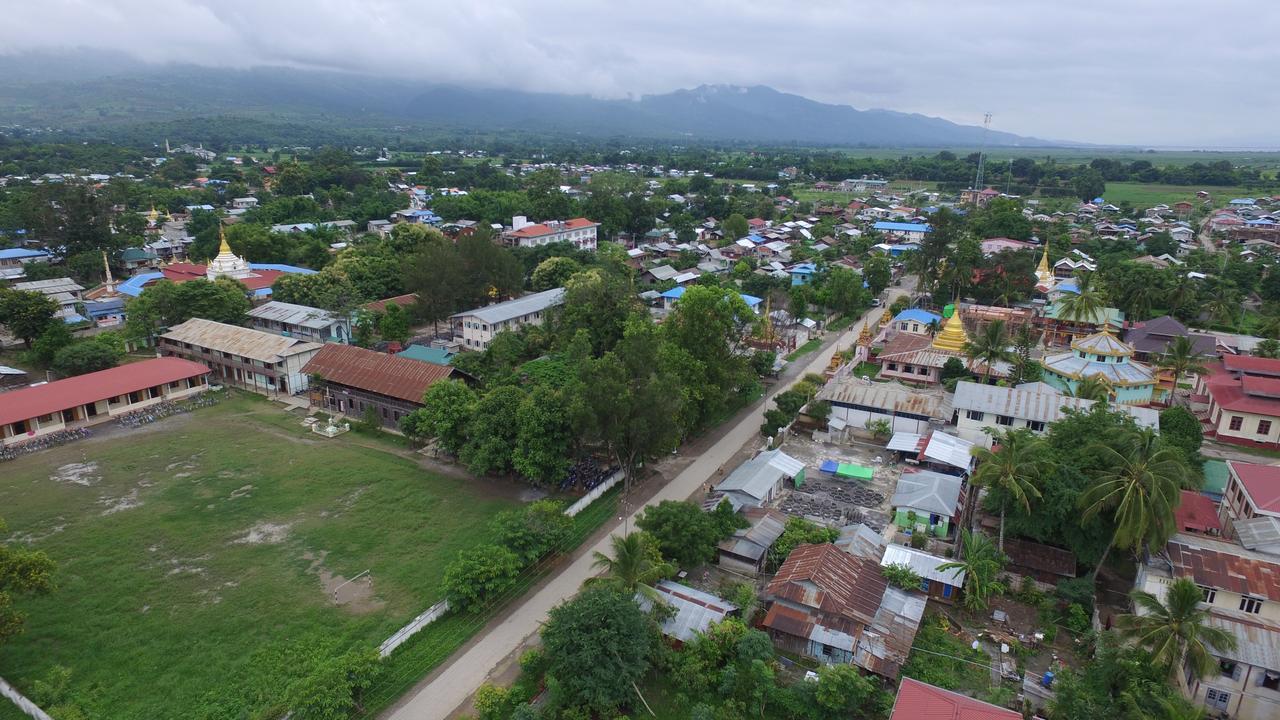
(1146, 195)
(805, 349)
(190, 545)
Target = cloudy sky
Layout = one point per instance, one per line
(1150, 72)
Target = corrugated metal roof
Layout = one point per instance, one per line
(511, 309)
(695, 611)
(831, 581)
(290, 314)
(949, 450)
(921, 701)
(754, 541)
(30, 402)
(376, 372)
(1225, 565)
(756, 476)
(923, 564)
(1260, 532)
(1257, 641)
(1035, 403)
(885, 645)
(244, 342)
(905, 442)
(890, 397)
(928, 491)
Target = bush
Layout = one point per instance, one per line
(901, 575)
(1077, 591)
(480, 574)
(919, 540)
(1077, 620)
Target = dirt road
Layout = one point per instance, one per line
(438, 695)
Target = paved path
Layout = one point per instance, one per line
(441, 693)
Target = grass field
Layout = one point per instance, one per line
(1146, 195)
(186, 547)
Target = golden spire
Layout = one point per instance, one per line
(153, 216)
(952, 337)
(223, 248)
(1044, 276)
(864, 337)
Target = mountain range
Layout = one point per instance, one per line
(111, 91)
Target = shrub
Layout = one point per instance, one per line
(902, 575)
(480, 574)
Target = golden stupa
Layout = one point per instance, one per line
(1044, 276)
(952, 337)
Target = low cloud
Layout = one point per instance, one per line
(1141, 71)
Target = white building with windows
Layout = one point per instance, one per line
(1030, 405)
(579, 232)
(1242, 594)
(479, 326)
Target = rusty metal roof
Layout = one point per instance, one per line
(380, 373)
(244, 342)
(1036, 556)
(836, 584)
(888, 396)
(1224, 565)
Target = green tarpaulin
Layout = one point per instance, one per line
(854, 471)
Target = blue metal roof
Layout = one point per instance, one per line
(282, 268)
(1067, 286)
(902, 227)
(133, 286)
(756, 239)
(18, 253)
(750, 300)
(676, 293)
(804, 269)
(920, 316)
(1243, 201)
(74, 318)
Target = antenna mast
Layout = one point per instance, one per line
(982, 157)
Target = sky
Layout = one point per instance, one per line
(1142, 72)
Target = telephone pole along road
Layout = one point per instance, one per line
(437, 697)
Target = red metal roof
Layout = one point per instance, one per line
(541, 229)
(831, 581)
(376, 372)
(62, 395)
(401, 300)
(1228, 391)
(182, 272)
(1197, 513)
(1251, 365)
(1259, 386)
(921, 701)
(1262, 482)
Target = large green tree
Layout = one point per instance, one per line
(1014, 470)
(26, 314)
(445, 416)
(479, 575)
(544, 436)
(684, 532)
(989, 346)
(22, 572)
(599, 645)
(165, 304)
(491, 434)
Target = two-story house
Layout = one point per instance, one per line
(479, 326)
(301, 321)
(1242, 594)
(1252, 491)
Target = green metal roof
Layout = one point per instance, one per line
(1215, 477)
(438, 356)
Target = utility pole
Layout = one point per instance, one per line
(982, 157)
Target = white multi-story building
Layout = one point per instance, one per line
(581, 232)
(479, 326)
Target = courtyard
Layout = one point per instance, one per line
(190, 547)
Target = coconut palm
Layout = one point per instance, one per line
(1181, 358)
(1225, 308)
(1176, 630)
(1142, 298)
(981, 564)
(1268, 349)
(1092, 387)
(1086, 305)
(636, 563)
(1269, 323)
(1141, 487)
(1013, 470)
(989, 346)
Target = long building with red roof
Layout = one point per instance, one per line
(96, 397)
(1238, 401)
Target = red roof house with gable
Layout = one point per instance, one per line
(921, 701)
(1238, 401)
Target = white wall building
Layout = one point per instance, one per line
(1030, 405)
(581, 232)
(478, 327)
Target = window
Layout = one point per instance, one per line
(1264, 427)
(1209, 594)
(1270, 680)
(975, 415)
(1036, 426)
(1004, 420)
(1227, 668)
(893, 366)
(1215, 698)
(1237, 422)
(1250, 605)
(924, 585)
(922, 371)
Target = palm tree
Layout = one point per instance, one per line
(1141, 486)
(1142, 298)
(1269, 322)
(1224, 307)
(981, 564)
(636, 563)
(1013, 470)
(1092, 387)
(1176, 631)
(1181, 358)
(1268, 349)
(1085, 306)
(989, 346)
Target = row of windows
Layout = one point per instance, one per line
(1251, 605)
(910, 369)
(1237, 422)
(979, 416)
